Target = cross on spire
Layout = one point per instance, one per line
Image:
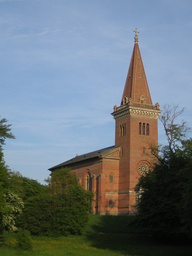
(136, 35)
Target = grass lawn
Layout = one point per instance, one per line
(104, 236)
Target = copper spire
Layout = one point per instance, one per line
(136, 85)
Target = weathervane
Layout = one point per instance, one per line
(136, 35)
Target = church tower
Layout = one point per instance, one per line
(136, 130)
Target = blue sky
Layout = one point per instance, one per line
(63, 66)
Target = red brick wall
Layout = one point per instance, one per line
(132, 144)
(100, 171)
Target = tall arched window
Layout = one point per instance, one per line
(123, 132)
(144, 129)
(123, 129)
(140, 128)
(147, 130)
(88, 182)
(111, 178)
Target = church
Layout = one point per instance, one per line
(112, 173)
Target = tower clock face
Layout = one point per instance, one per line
(143, 169)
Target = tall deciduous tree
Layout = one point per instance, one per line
(5, 133)
(173, 131)
(164, 206)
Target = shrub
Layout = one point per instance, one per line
(57, 215)
(24, 241)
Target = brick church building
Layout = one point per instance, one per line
(112, 173)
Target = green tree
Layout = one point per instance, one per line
(62, 212)
(165, 192)
(60, 180)
(161, 203)
(11, 210)
(26, 187)
(186, 153)
(5, 132)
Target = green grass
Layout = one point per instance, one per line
(104, 236)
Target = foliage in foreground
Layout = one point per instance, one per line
(11, 210)
(58, 214)
(26, 187)
(5, 132)
(165, 204)
(24, 240)
(104, 235)
(164, 207)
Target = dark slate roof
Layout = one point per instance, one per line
(84, 157)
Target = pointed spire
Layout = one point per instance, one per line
(136, 86)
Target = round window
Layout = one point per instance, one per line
(143, 169)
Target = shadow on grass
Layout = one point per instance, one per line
(2, 240)
(114, 233)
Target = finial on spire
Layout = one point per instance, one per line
(136, 35)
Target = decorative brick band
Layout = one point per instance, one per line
(135, 111)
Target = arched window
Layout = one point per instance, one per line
(123, 129)
(147, 130)
(144, 129)
(140, 128)
(111, 178)
(88, 182)
(120, 130)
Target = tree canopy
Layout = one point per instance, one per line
(5, 133)
(164, 205)
(63, 211)
(25, 187)
(60, 180)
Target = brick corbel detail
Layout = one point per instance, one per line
(123, 112)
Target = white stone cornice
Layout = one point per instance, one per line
(121, 113)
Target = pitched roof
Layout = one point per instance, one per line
(136, 83)
(95, 154)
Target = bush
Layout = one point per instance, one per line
(57, 215)
(24, 240)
